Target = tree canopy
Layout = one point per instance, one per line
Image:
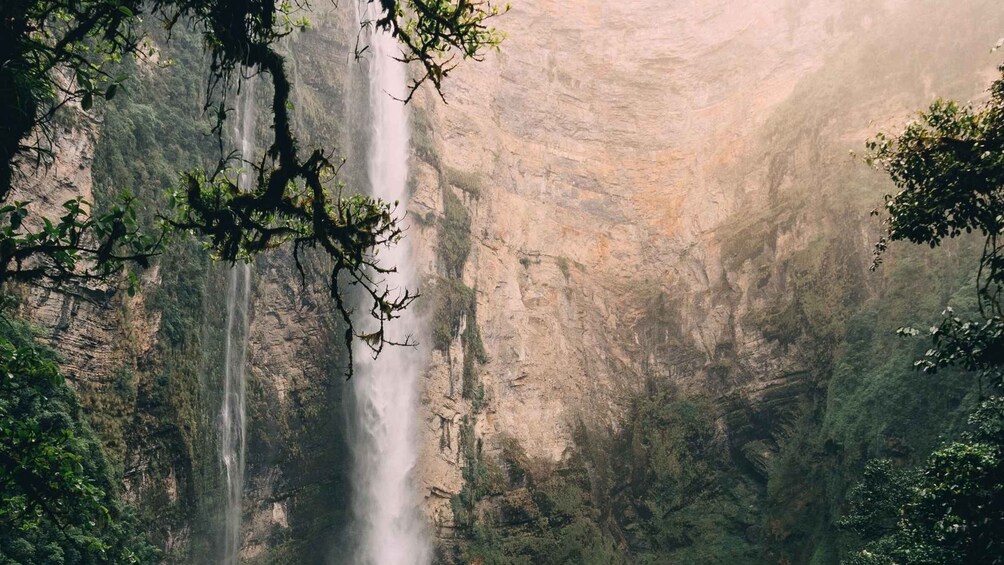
(58, 501)
(949, 167)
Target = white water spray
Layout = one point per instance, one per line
(387, 509)
(232, 433)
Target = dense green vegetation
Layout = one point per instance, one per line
(454, 234)
(949, 168)
(58, 495)
(948, 511)
(662, 490)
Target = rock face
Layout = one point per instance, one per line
(148, 369)
(650, 192)
(642, 183)
(597, 136)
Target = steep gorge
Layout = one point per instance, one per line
(661, 204)
(643, 249)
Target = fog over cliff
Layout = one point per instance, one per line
(647, 328)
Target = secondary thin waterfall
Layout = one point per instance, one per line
(232, 437)
(390, 522)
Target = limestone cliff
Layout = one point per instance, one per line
(627, 196)
(651, 190)
(148, 369)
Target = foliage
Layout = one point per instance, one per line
(949, 166)
(663, 476)
(466, 181)
(681, 501)
(454, 234)
(435, 32)
(155, 129)
(292, 198)
(549, 520)
(57, 500)
(660, 491)
(456, 312)
(876, 407)
(55, 52)
(456, 316)
(874, 504)
(949, 512)
(481, 478)
(456, 308)
(563, 267)
(79, 245)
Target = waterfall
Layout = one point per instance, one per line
(387, 512)
(232, 438)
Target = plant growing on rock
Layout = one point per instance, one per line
(59, 53)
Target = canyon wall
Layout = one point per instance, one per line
(664, 196)
(148, 368)
(625, 200)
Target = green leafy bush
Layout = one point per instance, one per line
(57, 496)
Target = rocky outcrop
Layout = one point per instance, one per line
(648, 190)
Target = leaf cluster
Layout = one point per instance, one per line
(57, 504)
(949, 167)
(435, 33)
(56, 52)
(78, 245)
(948, 512)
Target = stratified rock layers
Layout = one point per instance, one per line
(644, 188)
(640, 180)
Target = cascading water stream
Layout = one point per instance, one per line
(232, 436)
(390, 522)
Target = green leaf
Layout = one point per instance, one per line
(87, 101)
